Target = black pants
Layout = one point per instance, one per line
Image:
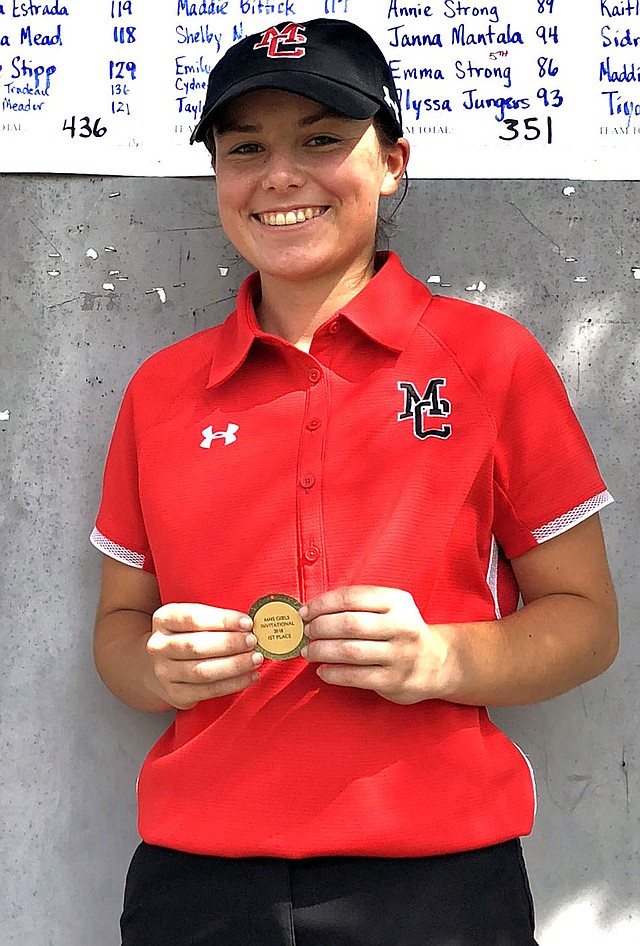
(476, 898)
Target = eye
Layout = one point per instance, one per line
(319, 141)
(248, 148)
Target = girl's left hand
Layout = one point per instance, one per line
(376, 639)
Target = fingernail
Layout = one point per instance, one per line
(251, 640)
(255, 677)
(303, 653)
(257, 659)
(304, 612)
(245, 624)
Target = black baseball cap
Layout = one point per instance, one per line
(333, 62)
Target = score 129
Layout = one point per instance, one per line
(122, 70)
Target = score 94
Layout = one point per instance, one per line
(548, 34)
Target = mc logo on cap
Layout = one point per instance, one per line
(291, 35)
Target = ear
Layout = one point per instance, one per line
(396, 163)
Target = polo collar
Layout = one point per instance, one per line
(387, 310)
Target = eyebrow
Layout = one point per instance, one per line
(231, 127)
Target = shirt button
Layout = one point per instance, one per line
(314, 375)
(334, 328)
(314, 423)
(307, 481)
(312, 554)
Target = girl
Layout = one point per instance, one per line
(406, 466)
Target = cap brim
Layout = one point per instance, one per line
(341, 98)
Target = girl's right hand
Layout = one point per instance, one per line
(199, 653)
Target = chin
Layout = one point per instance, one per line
(295, 268)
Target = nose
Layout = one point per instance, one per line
(282, 171)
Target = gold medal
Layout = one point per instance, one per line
(278, 626)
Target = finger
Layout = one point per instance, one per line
(184, 618)
(349, 625)
(349, 652)
(200, 645)
(351, 598)
(207, 672)
(185, 696)
(362, 678)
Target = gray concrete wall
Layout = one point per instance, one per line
(70, 752)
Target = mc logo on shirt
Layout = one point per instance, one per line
(430, 404)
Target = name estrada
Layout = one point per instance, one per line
(38, 9)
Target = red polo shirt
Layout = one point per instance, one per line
(421, 444)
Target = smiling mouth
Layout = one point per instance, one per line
(290, 218)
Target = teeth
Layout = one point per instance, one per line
(291, 218)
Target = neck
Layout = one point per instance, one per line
(294, 310)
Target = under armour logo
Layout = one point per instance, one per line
(274, 39)
(228, 435)
(416, 408)
(391, 102)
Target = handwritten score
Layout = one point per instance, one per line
(513, 89)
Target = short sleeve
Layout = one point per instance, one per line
(119, 530)
(546, 479)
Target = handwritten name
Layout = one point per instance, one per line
(418, 73)
(618, 106)
(39, 9)
(28, 106)
(460, 37)
(415, 11)
(630, 8)
(414, 108)
(186, 69)
(201, 9)
(286, 8)
(23, 69)
(628, 72)
(13, 89)
(452, 9)
(617, 40)
(202, 35)
(40, 39)
(503, 105)
(469, 71)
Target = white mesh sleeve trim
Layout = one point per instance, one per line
(572, 518)
(532, 775)
(492, 577)
(110, 548)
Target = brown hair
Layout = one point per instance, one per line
(386, 224)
